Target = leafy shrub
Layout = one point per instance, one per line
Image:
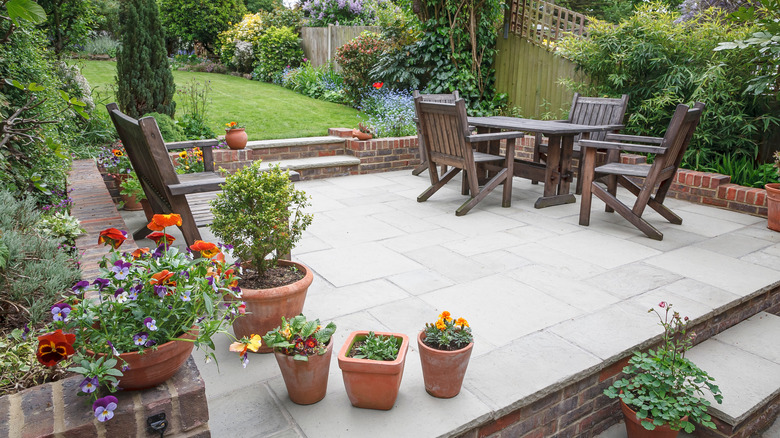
(357, 58)
(321, 82)
(249, 29)
(341, 12)
(60, 225)
(196, 21)
(168, 128)
(745, 171)
(102, 44)
(661, 63)
(34, 270)
(279, 47)
(390, 113)
(243, 57)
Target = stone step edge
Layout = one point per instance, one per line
(314, 162)
(713, 409)
(290, 142)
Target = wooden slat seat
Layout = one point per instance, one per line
(641, 170)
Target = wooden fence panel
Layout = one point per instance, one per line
(529, 74)
(320, 43)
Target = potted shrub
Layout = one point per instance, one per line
(235, 135)
(131, 192)
(303, 349)
(661, 392)
(136, 324)
(372, 365)
(260, 214)
(445, 349)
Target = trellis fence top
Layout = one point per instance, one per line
(543, 23)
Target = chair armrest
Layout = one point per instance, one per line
(476, 138)
(207, 146)
(645, 149)
(634, 138)
(208, 184)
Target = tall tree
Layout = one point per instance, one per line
(145, 82)
(68, 23)
(197, 21)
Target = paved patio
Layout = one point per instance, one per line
(548, 300)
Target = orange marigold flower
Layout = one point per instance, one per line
(113, 237)
(206, 249)
(157, 237)
(445, 316)
(441, 325)
(140, 252)
(160, 221)
(54, 347)
(462, 322)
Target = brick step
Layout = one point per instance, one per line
(294, 148)
(319, 167)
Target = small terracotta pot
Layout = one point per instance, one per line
(443, 371)
(236, 138)
(372, 384)
(773, 206)
(265, 307)
(634, 427)
(153, 367)
(362, 136)
(306, 382)
(130, 203)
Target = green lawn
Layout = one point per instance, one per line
(268, 111)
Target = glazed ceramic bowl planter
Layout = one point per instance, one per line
(372, 384)
(443, 371)
(634, 428)
(306, 381)
(266, 307)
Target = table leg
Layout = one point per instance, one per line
(567, 149)
(553, 194)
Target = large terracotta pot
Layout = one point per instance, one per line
(773, 206)
(372, 384)
(236, 138)
(265, 307)
(306, 382)
(443, 371)
(153, 367)
(634, 427)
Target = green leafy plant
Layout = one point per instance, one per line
(375, 347)
(300, 338)
(279, 47)
(448, 334)
(662, 385)
(321, 82)
(195, 100)
(357, 58)
(169, 129)
(60, 224)
(102, 45)
(745, 171)
(131, 186)
(260, 213)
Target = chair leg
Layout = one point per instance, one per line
(420, 168)
(644, 226)
(500, 177)
(612, 181)
(438, 184)
(656, 205)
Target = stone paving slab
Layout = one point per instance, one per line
(545, 302)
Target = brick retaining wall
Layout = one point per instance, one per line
(54, 409)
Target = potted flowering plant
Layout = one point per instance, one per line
(303, 350)
(114, 160)
(235, 135)
(132, 193)
(363, 132)
(372, 365)
(260, 213)
(445, 349)
(136, 324)
(662, 388)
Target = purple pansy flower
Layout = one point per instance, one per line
(113, 349)
(133, 294)
(121, 295)
(245, 360)
(160, 290)
(60, 312)
(150, 324)
(101, 283)
(25, 331)
(104, 407)
(150, 342)
(79, 287)
(140, 338)
(89, 386)
(121, 269)
(185, 296)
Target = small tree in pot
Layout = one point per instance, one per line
(260, 213)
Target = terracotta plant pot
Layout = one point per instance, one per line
(236, 138)
(634, 427)
(362, 136)
(306, 382)
(372, 384)
(153, 367)
(265, 307)
(443, 371)
(773, 206)
(130, 203)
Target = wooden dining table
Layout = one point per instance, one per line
(557, 173)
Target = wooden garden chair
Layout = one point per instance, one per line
(441, 98)
(668, 151)
(448, 141)
(587, 111)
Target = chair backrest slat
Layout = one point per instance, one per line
(597, 111)
(678, 135)
(444, 127)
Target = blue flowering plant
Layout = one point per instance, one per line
(390, 112)
(141, 300)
